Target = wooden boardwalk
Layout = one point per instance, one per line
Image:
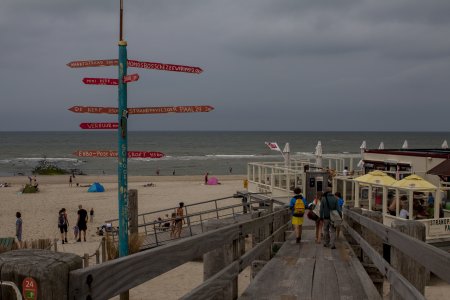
(311, 271)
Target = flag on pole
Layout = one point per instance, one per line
(273, 146)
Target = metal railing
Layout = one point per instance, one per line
(159, 232)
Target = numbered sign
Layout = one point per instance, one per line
(29, 289)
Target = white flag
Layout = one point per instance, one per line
(273, 146)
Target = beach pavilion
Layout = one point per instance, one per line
(411, 186)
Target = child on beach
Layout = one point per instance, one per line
(76, 231)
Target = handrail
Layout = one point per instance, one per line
(432, 258)
(13, 286)
(116, 276)
(175, 207)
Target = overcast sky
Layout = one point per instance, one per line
(268, 64)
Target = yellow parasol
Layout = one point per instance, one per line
(414, 181)
(376, 177)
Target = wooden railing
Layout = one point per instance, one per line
(117, 276)
(431, 258)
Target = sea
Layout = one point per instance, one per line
(188, 152)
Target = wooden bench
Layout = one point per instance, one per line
(7, 244)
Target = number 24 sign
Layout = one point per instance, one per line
(29, 289)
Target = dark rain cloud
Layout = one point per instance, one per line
(268, 65)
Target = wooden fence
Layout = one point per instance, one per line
(117, 276)
(428, 257)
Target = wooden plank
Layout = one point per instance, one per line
(359, 275)
(346, 275)
(214, 286)
(325, 285)
(286, 276)
(114, 277)
(432, 258)
(397, 281)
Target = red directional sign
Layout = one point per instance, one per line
(93, 63)
(131, 78)
(101, 81)
(134, 64)
(94, 110)
(163, 67)
(110, 153)
(169, 109)
(99, 125)
(143, 110)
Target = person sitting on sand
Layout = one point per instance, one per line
(166, 224)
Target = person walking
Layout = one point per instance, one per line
(70, 180)
(328, 203)
(319, 221)
(82, 222)
(19, 226)
(298, 205)
(206, 178)
(341, 205)
(63, 224)
(91, 215)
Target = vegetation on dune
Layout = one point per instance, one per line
(44, 167)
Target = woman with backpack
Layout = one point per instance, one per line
(63, 223)
(298, 205)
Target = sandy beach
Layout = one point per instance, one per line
(40, 213)
(40, 210)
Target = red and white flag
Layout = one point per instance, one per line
(273, 146)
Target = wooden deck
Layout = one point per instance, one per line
(311, 271)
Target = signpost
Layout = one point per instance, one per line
(101, 81)
(123, 112)
(99, 125)
(110, 153)
(143, 110)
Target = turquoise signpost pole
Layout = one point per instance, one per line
(123, 144)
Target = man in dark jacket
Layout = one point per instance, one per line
(328, 203)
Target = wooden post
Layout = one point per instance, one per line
(86, 260)
(416, 274)
(55, 245)
(46, 267)
(133, 225)
(104, 257)
(97, 257)
(133, 210)
(214, 261)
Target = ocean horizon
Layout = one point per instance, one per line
(189, 152)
